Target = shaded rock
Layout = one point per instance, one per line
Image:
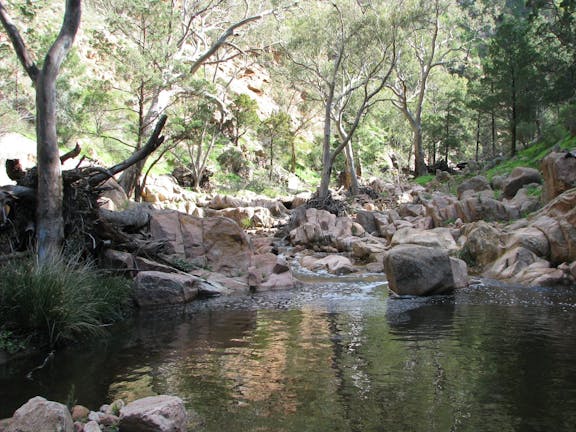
(482, 245)
(477, 184)
(524, 202)
(152, 288)
(154, 414)
(437, 237)
(440, 207)
(519, 177)
(39, 414)
(478, 208)
(113, 197)
(119, 260)
(368, 249)
(420, 271)
(559, 172)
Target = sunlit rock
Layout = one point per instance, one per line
(39, 414)
(154, 414)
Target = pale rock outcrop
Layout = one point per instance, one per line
(39, 414)
(559, 172)
(319, 228)
(270, 272)
(247, 217)
(154, 414)
(512, 262)
(421, 271)
(437, 238)
(152, 288)
(519, 177)
(215, 243)
(333, 264)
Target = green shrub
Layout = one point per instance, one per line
(62, 300)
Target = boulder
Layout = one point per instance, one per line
(561, 237)
(270, 272)
(440, 207)
(92, 426)
(479, 208)
(319, 228)
(113, 196)
(513, 262)
(531, 238)
(420, 271)
(247, 217)
(39, 414)
(436, 238)
(482, 244)
(477, 184)
(519, 177)
(154, 414)
(333, 264)
(559, 172)
(152, 288)
(80, 412)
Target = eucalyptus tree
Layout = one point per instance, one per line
(430, 40)
(276, 131)
(157, 45)
(49, 219)
(341, 54)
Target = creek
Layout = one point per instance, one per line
(339, 354)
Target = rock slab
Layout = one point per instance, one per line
(154, 414)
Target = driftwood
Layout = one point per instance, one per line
(88, 228)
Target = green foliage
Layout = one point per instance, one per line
(62, 300)
(530, 156)
(10, 343)
(424, 180)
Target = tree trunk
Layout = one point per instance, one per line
(351, 165)
(420, 168)
(49, 220)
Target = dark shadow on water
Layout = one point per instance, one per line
(420, 317)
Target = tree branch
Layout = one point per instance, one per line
(153, 143)
(19, 45)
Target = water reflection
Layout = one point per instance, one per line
(341, 357)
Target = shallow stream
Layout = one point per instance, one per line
(337, 355)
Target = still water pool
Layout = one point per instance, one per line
(336, 355)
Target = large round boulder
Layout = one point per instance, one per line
(39, 414)
(420, 271)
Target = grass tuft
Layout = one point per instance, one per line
(61, 301)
